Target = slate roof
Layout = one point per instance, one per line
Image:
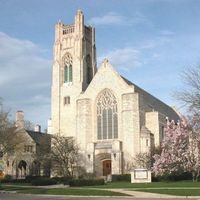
(155, 102)
(127, 81)
(39, 137)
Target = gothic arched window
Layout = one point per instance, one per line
(107, 117)
(68, 68)
(89, 69)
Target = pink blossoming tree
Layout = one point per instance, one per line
(173, 150)
(180, 151)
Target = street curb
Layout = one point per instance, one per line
(11, 192)
(114, 197)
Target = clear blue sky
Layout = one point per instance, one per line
(148, 41)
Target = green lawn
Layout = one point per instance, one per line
(61, 191)
(178, 184)
(176, 192)
(181, 188)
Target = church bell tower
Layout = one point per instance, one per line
(74, 66)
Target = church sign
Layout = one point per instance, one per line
(140, 176)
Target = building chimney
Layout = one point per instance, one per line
(20, 119)
(37, 128)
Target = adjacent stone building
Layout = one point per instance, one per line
(28, 156)
(111, 118)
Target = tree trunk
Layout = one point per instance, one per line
(193, 177)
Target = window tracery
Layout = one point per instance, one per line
(68, 63)
(107, 116)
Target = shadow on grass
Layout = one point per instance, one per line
(178, 184)
(62, 191)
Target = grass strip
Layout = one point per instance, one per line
(62, 191)
(178, 184)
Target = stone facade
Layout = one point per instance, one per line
(25, 159)
(111, 118)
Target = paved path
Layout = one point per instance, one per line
(10, 196)
(148, 195)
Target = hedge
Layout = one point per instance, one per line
(13, 181)
(34, 180)
(121, 177)
(86, 182)
(29, 179)
(62, 180)
(43, 181)
(172, 177)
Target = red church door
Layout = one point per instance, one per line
(106, 167)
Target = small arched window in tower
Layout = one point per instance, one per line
(107, 116)
(89, 69)
(68, 68)
(66, 100)
(147, 142)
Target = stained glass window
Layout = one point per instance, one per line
(68, 68)
(107, 117)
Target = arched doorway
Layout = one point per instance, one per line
(103, 164)
(106, 167)
(22, 166)
(35, 168)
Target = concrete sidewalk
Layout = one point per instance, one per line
(137, 194)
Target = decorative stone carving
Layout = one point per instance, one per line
(67, 59)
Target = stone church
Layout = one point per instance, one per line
(111, 118)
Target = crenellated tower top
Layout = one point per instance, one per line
(78, 40)
(74, 66)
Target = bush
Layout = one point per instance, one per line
(172, 177)
(9, 179)
(29, 179)
(121, 177)
(43, 181)
(13, 181)
(6, 179)
(86, 182)
(62, 180)
(87, 176)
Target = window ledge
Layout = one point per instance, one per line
(68, 84)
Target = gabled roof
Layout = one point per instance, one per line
(39, 137)
(154, 103)
(146, 94)
(145, 131)
(127, 81)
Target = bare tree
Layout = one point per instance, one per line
(142, 160)
(190, 95)
(28, 125)
(9, 138)
(64, 156)
(193, 153)
(193, 156)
